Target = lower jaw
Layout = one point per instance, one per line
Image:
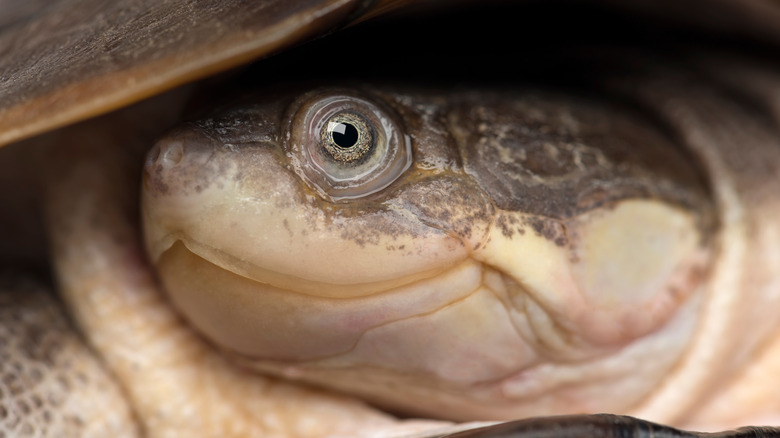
(258, 320)
(618, 383)
(420, 365)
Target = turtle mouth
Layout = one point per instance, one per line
(490, 323)
(263, 314)
(294, 284)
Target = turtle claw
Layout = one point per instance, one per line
(601, 426)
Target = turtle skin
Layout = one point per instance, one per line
(733, 91)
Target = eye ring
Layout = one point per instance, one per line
(345, 144)
(347, 137)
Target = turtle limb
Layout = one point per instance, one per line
(601, 426)
(50, 383)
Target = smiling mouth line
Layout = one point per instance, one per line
(302, 286)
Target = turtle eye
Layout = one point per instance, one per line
(348, 146)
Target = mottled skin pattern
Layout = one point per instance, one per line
(52, 384)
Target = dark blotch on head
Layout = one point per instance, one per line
(449, 203)
(559, 157)
(550, 229)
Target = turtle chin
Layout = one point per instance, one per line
(443, 331)
(448, 342)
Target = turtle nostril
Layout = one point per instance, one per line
(152, 156)
(170, 154)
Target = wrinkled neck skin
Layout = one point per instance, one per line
(540, 254)
(737, 336)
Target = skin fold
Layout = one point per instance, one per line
(543, 250)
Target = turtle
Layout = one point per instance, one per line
(374, 249)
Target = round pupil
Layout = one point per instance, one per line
(345, 135)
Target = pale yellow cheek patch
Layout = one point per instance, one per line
(620, 273)
(641, 254)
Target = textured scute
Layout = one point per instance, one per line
(78, 58)
(51, 384)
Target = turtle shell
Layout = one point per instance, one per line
(68, 60)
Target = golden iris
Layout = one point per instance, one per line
(347, 137)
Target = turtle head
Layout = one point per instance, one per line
(473, 255)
